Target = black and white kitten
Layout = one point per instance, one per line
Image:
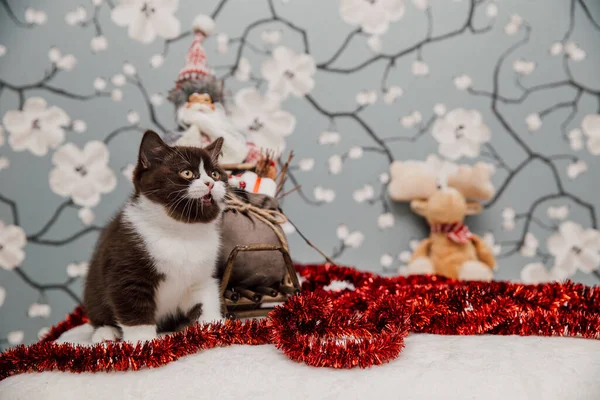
(156, 261)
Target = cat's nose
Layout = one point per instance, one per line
(209, 184)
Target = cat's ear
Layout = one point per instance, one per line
(214, 149)
(152, 149)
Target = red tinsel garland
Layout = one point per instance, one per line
(342, 329)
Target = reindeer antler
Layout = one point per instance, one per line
(411, 180)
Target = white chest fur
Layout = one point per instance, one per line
(186, 254)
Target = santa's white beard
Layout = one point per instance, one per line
(214, 124)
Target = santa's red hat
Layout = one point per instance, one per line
(195, 64)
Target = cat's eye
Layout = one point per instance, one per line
(186, 173)
(215, 175)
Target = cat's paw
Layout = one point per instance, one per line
(105, 334)
(139, 333)
(475, 271)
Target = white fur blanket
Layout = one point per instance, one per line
(430, 367)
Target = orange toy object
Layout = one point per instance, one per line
(445, 194)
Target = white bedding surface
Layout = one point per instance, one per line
(430, 367)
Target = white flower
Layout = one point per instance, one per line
(39, 310)
(420, 68)
(2, 295)
(536, 273)
(37, 128)
(463, 82)
(2, 50)
(99, 84)
(127, 172)
(133, 117)
(147, 18)
(116, 95)
(118, 80)
(513, 25)
(413, 244)
(289, 73)
(374, 16)
(355, 153)
(354, 239)
(405, 256)
(490, 240)
(440, 109)
(76, 17)
(43, 332)
(97, 3)
(271, 36)
(306, 164)
(79, 126)
(4, 163)
(82, 175)
(12, 242)
(260, 118)
(508, 219)
(86, 216)
(556, 49)
(530, 245)
(66, 63)
(1, 136)
(328, 137)
(385, 220)
(375, 44)
(366, 97)
(15, 337)
(391, 94)
(157, 60)
(408, 121)
(491, 10)
(523, 67)
(222, 43)
(364, 194)
(342, 232)
(129, 69)
(335, 164)
(384, 178)
(591, 128)
(576, 168)
(386, 260)
(324, 195)
(242, 72)
(575, 248)
(288, 228)
(75, 270)
(157, 99)
(575, 52)
(558, 212)
(35, 17)
(534, 122)
(460, 133)
(576, 139)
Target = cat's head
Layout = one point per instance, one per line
(187, 181)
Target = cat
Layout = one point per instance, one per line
(155, 263)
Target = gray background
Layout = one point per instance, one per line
(475, 54)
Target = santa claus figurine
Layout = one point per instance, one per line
(198, 100)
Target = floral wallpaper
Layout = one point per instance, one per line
(349, 85)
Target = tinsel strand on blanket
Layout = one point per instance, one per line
(342, 329)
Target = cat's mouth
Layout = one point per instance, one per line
(207, 199)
